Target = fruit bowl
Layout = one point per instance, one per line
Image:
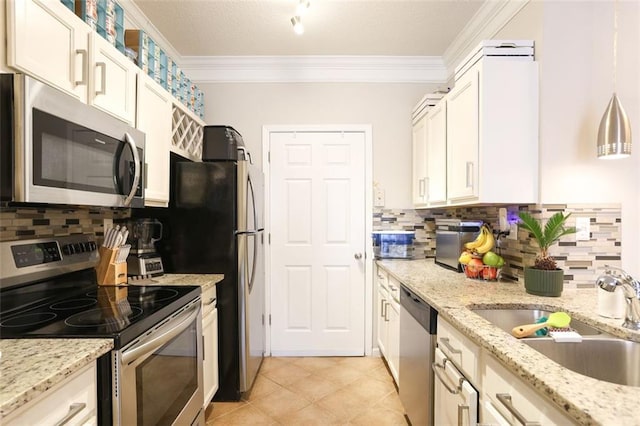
(483, 273)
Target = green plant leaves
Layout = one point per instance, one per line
(553, 230)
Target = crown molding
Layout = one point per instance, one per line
(298, 69)
(485, 24)
(135, 18)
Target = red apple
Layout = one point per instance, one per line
(474, 267)
(489, 273)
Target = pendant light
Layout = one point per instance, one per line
(614, 134)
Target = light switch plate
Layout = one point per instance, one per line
(583, 227)
(513, 231)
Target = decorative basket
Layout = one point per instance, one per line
(483, 273)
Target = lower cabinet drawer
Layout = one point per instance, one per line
(514, 400)
(459, 349)
(73, 401)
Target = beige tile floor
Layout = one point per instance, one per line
(316, 391)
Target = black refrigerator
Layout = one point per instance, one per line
(214, 225)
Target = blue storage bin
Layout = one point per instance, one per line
(393, 244)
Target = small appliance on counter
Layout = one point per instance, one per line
(143, 258)
(451, 234)
(393, 244)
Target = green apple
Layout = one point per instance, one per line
(492, 259)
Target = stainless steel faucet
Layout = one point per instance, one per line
(613, 278)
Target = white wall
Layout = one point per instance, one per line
(387, 107)
(574, 47)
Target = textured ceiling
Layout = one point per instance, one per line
(332, 27)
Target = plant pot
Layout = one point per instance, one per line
(543, 283)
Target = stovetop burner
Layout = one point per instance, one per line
(74, 306)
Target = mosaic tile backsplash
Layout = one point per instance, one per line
(21, 223)
(581, 260)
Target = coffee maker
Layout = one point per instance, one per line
(143, 259)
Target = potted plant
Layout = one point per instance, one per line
(545, 278)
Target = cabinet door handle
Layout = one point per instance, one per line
(382, 301)
(103, 78)
(505, 399)
(426, 189)
(421, 187)
(436, 369)
(85, 58)
(461, 409)
(447, 344)
(74, 410)
(386, 311)
(469, 180)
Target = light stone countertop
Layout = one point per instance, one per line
(29, 367)
(206, 281)
(587, 400)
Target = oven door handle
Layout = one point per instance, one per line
(152, 343)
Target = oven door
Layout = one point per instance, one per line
(71, 153)
(159, 381)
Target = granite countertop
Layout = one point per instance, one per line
(29, 367)
(206, 281)
(587, 400)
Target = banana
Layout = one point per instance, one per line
(480, 240)
(489, 242)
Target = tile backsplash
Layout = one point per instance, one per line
(20, 223)
(580, 260)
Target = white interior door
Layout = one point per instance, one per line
(317, 211)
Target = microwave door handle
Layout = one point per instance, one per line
(136, 167)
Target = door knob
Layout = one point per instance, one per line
(358, 256)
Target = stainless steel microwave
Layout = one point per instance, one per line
(62, 151)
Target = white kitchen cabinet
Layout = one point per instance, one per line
(462, 138)
(47, 41)
(506, 397)
(210, 337)
(112, 80)
(492, 132)
(436, 155)
(72, 402)
(388, 321)
(459, 349)
(419, 157)
(154, 119)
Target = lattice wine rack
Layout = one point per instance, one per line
(187, 130)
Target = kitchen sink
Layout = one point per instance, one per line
(599, 355)
(507, 319)
(609, 359)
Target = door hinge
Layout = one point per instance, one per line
(268, 156)
(269, 237)
(262, 319)
(269, 319)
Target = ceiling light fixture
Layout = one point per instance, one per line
(298, 28)
(614, 134)
(302, 7)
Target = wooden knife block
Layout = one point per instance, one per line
(108, 272)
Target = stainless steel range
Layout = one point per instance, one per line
(154, 374)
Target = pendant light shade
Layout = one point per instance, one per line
(614, 134)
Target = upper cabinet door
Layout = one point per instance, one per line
(419, 179)
(154, 119)
(112, 86)
(437, 154)
(462, 137)
(47, 41)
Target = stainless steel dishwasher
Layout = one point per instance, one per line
(417, 346)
